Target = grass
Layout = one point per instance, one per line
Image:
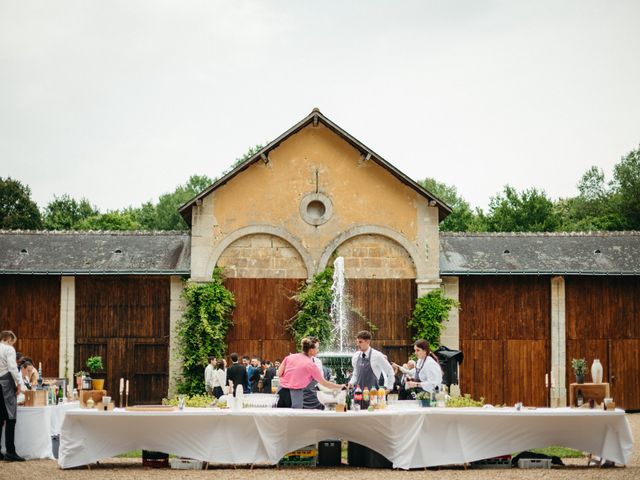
(132, 454)
(562, 452)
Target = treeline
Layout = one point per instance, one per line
(599, 205)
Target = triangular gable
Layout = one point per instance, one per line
(314, 118)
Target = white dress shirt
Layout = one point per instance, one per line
(430, 374)
(208, 376)
(379, 365)
(8, 362)
(219, 378)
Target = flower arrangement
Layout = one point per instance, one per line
(579, 366)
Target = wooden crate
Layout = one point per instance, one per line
(597, 391)
(35, 398)
(95, 394)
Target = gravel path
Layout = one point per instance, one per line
(117, 468)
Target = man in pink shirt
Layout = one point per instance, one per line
(297, 373)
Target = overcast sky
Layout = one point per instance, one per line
(121, 101)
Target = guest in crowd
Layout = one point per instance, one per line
(9, 390)
(237, 374)
(428, 373)
(276, 364)
(219, 378)
(297, 371)
(370, 364)
(268, 372)
(407, 371)
(209, 375)
(29, 375)
(254, 375)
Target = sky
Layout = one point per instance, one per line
(121, 101)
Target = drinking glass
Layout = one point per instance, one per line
(181, 402)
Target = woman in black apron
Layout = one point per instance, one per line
(9, 390)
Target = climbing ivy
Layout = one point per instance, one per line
(202, 330)
(314, 305)
(429, 314)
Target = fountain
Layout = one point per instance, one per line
(340, 350)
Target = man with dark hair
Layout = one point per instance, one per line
(254, 373)
(237, 374)
(268, 372)
(369, 364)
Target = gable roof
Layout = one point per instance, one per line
(316, 117)
(86, 253)
(584, 253)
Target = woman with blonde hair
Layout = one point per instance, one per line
(9, 390)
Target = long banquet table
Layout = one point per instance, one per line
(409, 438)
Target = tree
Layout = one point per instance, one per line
(530, 211)
(17, 210)
(65, 213)
(462, 219)
(109, 221)
(626, 185)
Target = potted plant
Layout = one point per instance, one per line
(579, 366)
(424, 398)
(94, 364)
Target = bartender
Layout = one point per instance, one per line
(370, 364)
(298, 373)
(428, 373)
(9, 390)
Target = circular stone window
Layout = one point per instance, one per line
(315, 208)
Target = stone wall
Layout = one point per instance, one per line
(375, 256)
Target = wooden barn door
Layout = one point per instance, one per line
(30, 307)
(603, 321)
(126, 321)
(263, 308)
(505, 332)
(386, 303)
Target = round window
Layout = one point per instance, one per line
(315, 208)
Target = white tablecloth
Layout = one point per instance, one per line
(410, 438)
(35, 426)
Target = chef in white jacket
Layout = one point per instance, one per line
(428, 373)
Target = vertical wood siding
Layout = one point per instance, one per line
(505, 327)
(30, 306)
(126, 321)
(603, 321)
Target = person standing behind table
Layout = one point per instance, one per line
(208, 375)
(237, 374)
(296, 373)
(428, 373)
(254, 375)
(9, 390)
(368, 364)
(219, 379)
(268, 373)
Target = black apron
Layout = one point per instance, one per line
(8, 387)
(366, 377)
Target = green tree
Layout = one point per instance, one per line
(626, 186)
(530, 211)
(17, 210)
(115, 220)
(203, 329)
(462, 219)
(65, 213)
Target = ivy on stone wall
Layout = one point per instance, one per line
(429, 315)
(203, 329)
(314, 305)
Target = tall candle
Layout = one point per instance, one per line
(39, 366)
(121, 385)
(127, 391)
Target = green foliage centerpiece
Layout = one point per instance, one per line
(94, 364)
(428, 316)
(203, 329)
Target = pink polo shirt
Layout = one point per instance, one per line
(299, 370)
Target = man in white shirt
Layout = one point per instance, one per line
(10, 386)
(369, 363)
(209, 373)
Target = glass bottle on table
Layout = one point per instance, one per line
(579, 398)
(60, 394)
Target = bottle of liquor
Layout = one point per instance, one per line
(373, 397)
(39, 387)
(60, 394)
(579, 398)
(357, 397)
(365, 398)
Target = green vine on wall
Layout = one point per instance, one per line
(314, 305)
(429, 315)
(202, 330)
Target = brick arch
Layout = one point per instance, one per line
(277, 232)
(418, 262)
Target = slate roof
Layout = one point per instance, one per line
(78, 253)
(316, 117)
(589, 253)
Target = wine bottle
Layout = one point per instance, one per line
(579, 398)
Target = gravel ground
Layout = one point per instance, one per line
(120, 468)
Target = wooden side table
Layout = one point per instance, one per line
(597, 391)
